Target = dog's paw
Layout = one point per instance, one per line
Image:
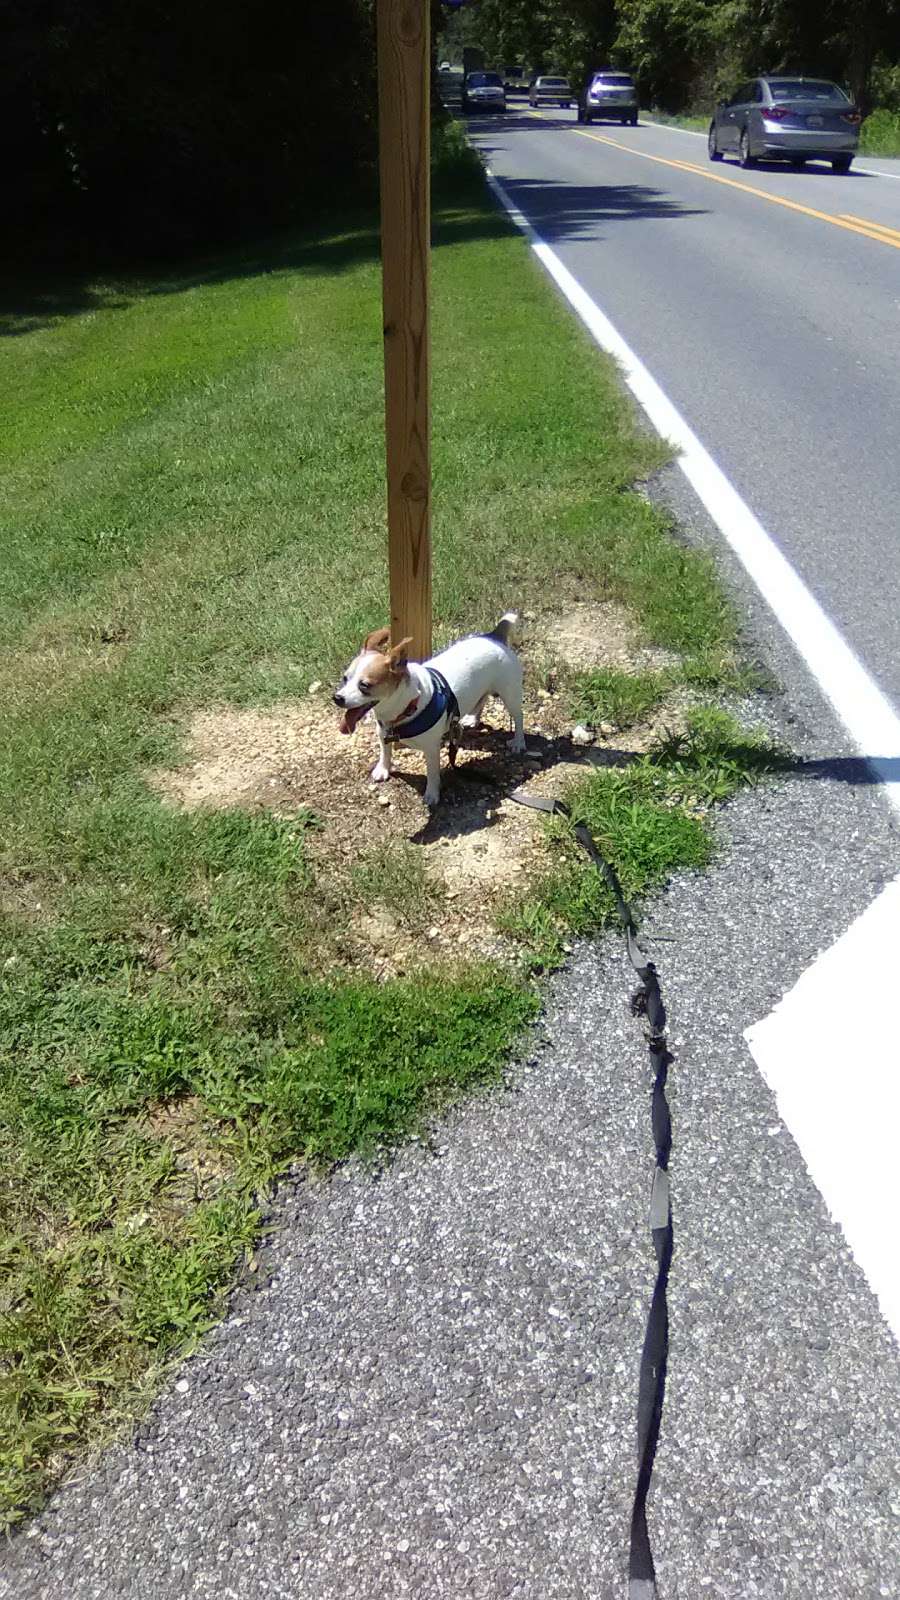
(470, 721)
(517, 746)
(380, 773)
(432, 796)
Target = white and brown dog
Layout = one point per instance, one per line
(414, 703)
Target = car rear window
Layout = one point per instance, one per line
(807, 89)
(614, 80)
(552, 83)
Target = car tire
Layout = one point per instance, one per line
(712, 144)
(588, 118)
(633, 121)
(841, 164)
(745, 159)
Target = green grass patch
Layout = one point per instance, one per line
(193, 513)
(880, 133)
(696, 123)
(394, 876)
(117, 1234)
(648, 820)
(607, 694)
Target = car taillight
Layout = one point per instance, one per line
(776, 113)
(851, 116)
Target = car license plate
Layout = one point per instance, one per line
(815, 122)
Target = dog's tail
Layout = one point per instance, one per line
(504, 627)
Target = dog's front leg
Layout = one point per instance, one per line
(382, 768)
(432, 773)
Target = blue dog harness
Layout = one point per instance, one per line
(443, 702)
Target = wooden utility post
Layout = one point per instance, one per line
(404, 76)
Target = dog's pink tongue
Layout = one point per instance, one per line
(351, 717)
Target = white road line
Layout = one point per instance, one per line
(832, 1069)
(865, 712)
(826, 1051)
(692, 133)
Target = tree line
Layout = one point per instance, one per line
(686, 53)
(152, 125)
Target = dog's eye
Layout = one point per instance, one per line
(364, 686)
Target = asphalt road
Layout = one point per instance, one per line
(775, 332)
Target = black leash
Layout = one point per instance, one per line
(647, 1002)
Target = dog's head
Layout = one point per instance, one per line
(374, 675)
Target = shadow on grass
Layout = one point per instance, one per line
(29, 303)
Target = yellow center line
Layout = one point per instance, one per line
(879, 227)
(868, 230)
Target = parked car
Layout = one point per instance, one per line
(609, 94)
(550, 91)
(791, 119)
(483, 91)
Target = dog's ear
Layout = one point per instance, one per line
(397, 654)
(377, 640)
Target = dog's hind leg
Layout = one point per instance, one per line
(511, 695)
(474, 717)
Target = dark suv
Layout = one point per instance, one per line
(609, 94)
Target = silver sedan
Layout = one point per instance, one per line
(791, 119)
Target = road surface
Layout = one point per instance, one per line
(767, 305)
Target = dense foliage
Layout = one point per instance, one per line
(685, 51)
(159, 124)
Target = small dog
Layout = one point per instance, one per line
(414, 703)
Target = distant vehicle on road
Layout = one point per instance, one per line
(483, 91)
(609, 94)
(445, 67)
(550, 91)
(515, 80)
(791, 119)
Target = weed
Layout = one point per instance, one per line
(610, 695)
(395, 876)
(645, 820)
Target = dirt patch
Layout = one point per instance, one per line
(587, 634)
(477, 846)
(201, 1163)
(24, 900)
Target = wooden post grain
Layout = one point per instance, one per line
(404, 152)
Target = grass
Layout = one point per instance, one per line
(880, 133)
(194, 513)
(620, 698)
(695, 123)
(394, 876)
(649, 820)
